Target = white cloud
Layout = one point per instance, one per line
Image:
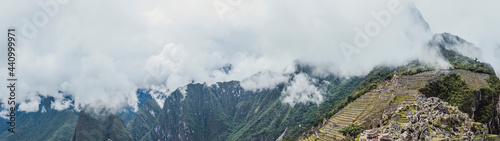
(43, 109)
(30, 105)
(301, 90)
(59, 104)
(100, 84)
(263, 80)
(158, 94)
(4, 113)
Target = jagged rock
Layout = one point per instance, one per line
(428, 138)
(386, 137)
(409, 137)
(372, 133)
(427, 119)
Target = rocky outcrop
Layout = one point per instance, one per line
(494, 123)
(427, 119)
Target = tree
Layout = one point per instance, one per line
(351, 130)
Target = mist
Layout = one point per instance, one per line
(475, 22)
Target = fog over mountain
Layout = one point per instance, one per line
(101, 52)
(476, 22)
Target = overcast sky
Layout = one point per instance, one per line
(100, 52)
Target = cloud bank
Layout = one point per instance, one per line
(301, 90)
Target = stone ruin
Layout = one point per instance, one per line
(426, 119)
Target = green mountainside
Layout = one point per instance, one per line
(145, 119)
(225, 111)
(48, 124)
(100, 127)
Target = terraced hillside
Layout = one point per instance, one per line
(400, 89)
(359, 109)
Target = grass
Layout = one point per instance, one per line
(492, 135)
(402, 98)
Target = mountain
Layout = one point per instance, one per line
(100, 125)
(226, 111)
(469, 86)
(128, 113)
(145, 119)
(42, 124)
(451, 47)
(45, 124)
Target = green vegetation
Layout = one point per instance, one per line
(273, 118)
(458, 61)
(471, 65)
(351, 130)
(451, 88)
(479, 104)
(371, 81)
(49, 125)
(226, 111)
(414, 67)
(483, 100)
(402, 98)
(376, 77)
(145, 119)
(96, 127)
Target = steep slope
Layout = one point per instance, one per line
(145, 119)
(128, 113)
(451, 48)
(99, 125)
(486, 98)
(46, 124)
(197, 115)
(225, 111)
(297, 119)
(50, 124)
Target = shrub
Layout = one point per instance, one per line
(479, 104)
(351, 130)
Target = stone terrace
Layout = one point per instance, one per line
(375, 101)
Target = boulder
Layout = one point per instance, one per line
(386, 137)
